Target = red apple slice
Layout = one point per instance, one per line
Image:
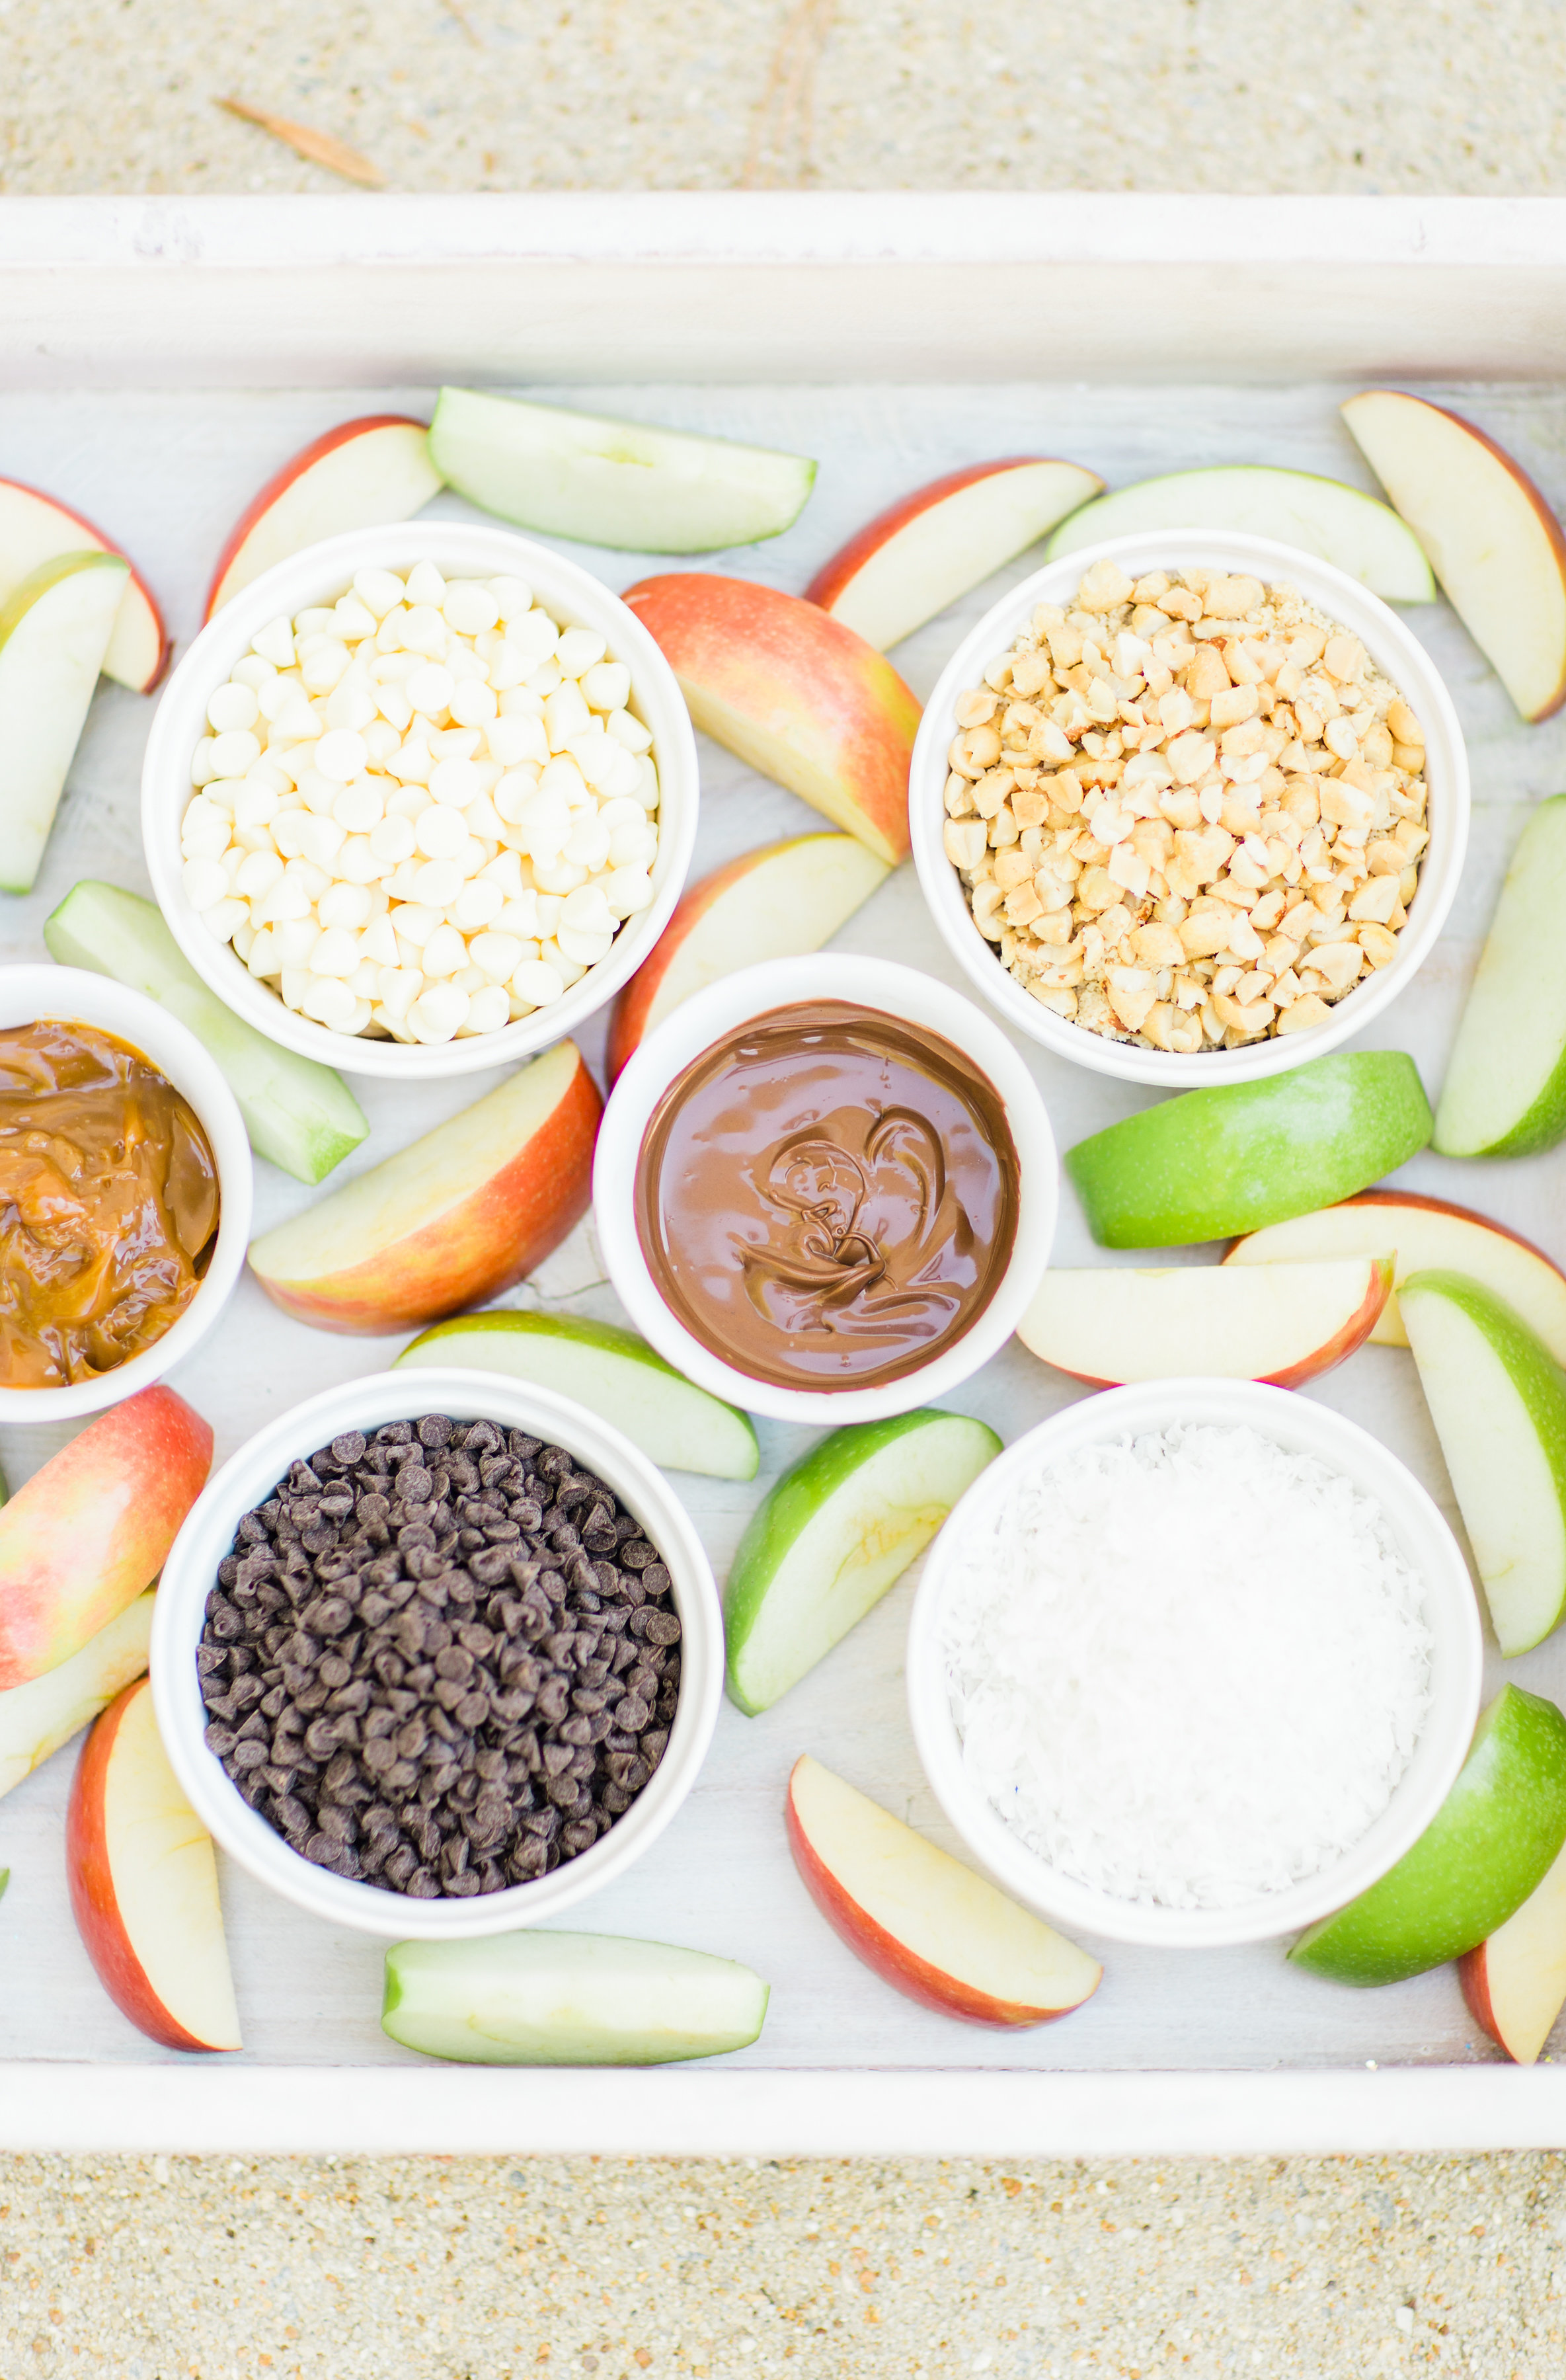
(356, 475)
(35, 528)
(1280, 1323)
(773, 903)
(930, 547)
(794, 692)
(143, 1885)
(90, 1531)
(1493, 541)
(1429, 1236)
(922, 1921)
(1515, 1983)
(451, 1221)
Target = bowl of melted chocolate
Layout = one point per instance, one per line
(125, 1191)
(842, 1188)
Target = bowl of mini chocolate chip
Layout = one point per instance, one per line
(437, 1658)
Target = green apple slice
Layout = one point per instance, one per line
(614, 1373)
(568, 1999)
(1497, 1399)
(834, 1534)
(608, 483)
(1505, 1090)
(1207, 1165)
(1339, 524)
(37, 1718)
(298, 1113)
(55, 630)
(1491, 1842)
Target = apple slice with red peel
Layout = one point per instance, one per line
(778, 903)
(451, 1221)
(934, 545)
(1429, 1236)
(923, 1921)
(35, 528)
(1494, 542)
(794, 692)
(1283, 1323)
(368, 472)
(143, 1885)
(1515, 1982)
(36, 1719)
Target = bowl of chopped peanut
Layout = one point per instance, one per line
(1190, 807)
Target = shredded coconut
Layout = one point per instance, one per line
(1188, 1668)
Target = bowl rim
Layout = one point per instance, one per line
(1291, 1419)
(693, 1026)
(474, 549)
(73, 994)
(190, 1571)
(1396, 651)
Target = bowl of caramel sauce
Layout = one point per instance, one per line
(826, 1188)
(124, 1193)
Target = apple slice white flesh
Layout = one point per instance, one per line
(614, 1373)
(37, 1718)
(35, 528)
(614, 483)
(568, 1999)
(1515, 1983)
(922, 1921)
(356, 476)
(1429, 1235)
(1497, 1399)
(834, 1534)
(1505, 1088)
(1281, 1323)
(1494, 542)
(934, 545)
(298, 1113)
(55, 630)
(1355, 532)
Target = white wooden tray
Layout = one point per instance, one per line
(161, 360)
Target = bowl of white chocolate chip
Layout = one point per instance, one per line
(1190, 807)
(419, 800)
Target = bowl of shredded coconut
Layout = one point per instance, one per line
(1193, 1664)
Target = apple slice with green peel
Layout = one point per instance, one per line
(1492, 1841)
(55, 630)
(1207, 1165)
(1515, 1982)
(298, 1113)
(1505, 1090)
(1497, 1399)
(1355, 532)
(1284, 1324)
(834, 1534)
(614, 1373)
(568, 1999)
(36, 1719)
(609, 482)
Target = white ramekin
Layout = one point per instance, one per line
(71, 993)
(1396, 653)
(899, 993)
(1451, 1611)
(191, 1573)
(319, 575)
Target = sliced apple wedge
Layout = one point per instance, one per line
(1341, 524)
(614, 1373)
(362, 473)
(1515, 1982)
(1494, 542)
(932, 546)
(36, 1719)
(35, 528)
(919, 1919)
(1283, 1323)
(1505, 1090)
(143, 1885)
(778, 903)
(55, 630)
(568, 1999)
(1429, 1236)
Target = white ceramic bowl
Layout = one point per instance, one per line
(71, 993)
(1450, 1611)
(191, 1573)
(319, 576)
(1396, 653)
(899, 993)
